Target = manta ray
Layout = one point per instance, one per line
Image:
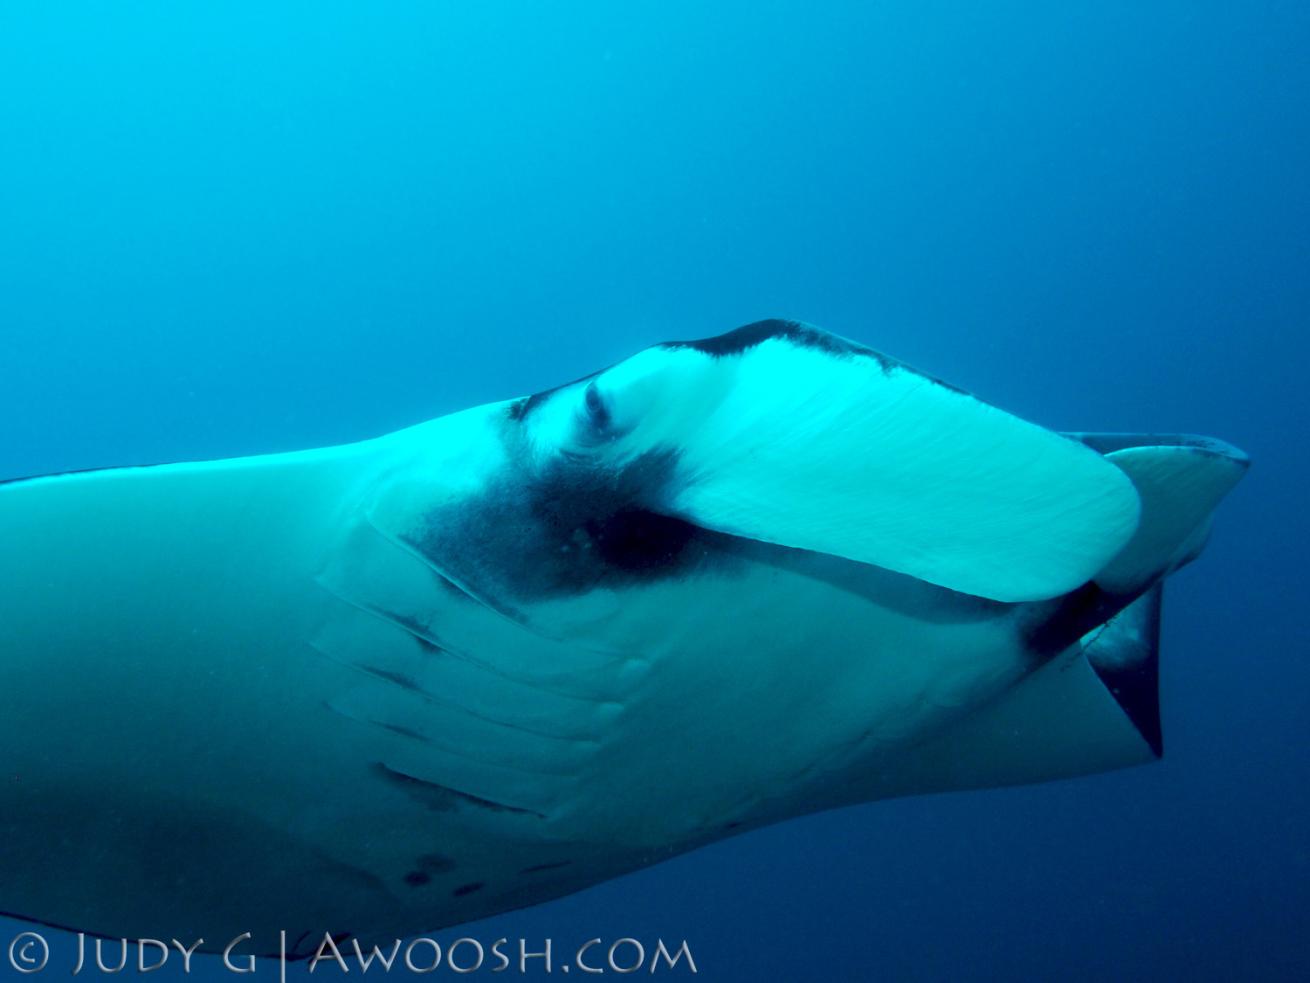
(392, 686)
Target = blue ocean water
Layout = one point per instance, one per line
(248, 227)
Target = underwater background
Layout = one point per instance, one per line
(236, 228)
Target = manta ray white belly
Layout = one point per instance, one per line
(392, 686)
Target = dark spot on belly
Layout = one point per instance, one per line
(538, 868)
(435, 863)
(426, 866)
(464, 889)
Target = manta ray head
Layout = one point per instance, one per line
(577, 501)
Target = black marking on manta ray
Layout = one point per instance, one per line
(571, 527)
(414, 628)
(435, 863)
(516, 679)
(453, 705)
(464, 889)
(410, 625)
(1059, 623)
(886, 588)
(540, 868)
(415, 545)
(403, 731)
(803, 336)
(426, 645)
(409, 733)
(1134, 682)
(443, 798)
(399, 678)
(1135, 687)
(447, 583)
(743, 339)
(448, 586)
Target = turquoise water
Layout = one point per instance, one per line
(255, 228)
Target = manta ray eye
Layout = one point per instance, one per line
(602, 415)
(599, 414)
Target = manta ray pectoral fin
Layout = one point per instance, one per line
(156, 692)
(782, 433)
